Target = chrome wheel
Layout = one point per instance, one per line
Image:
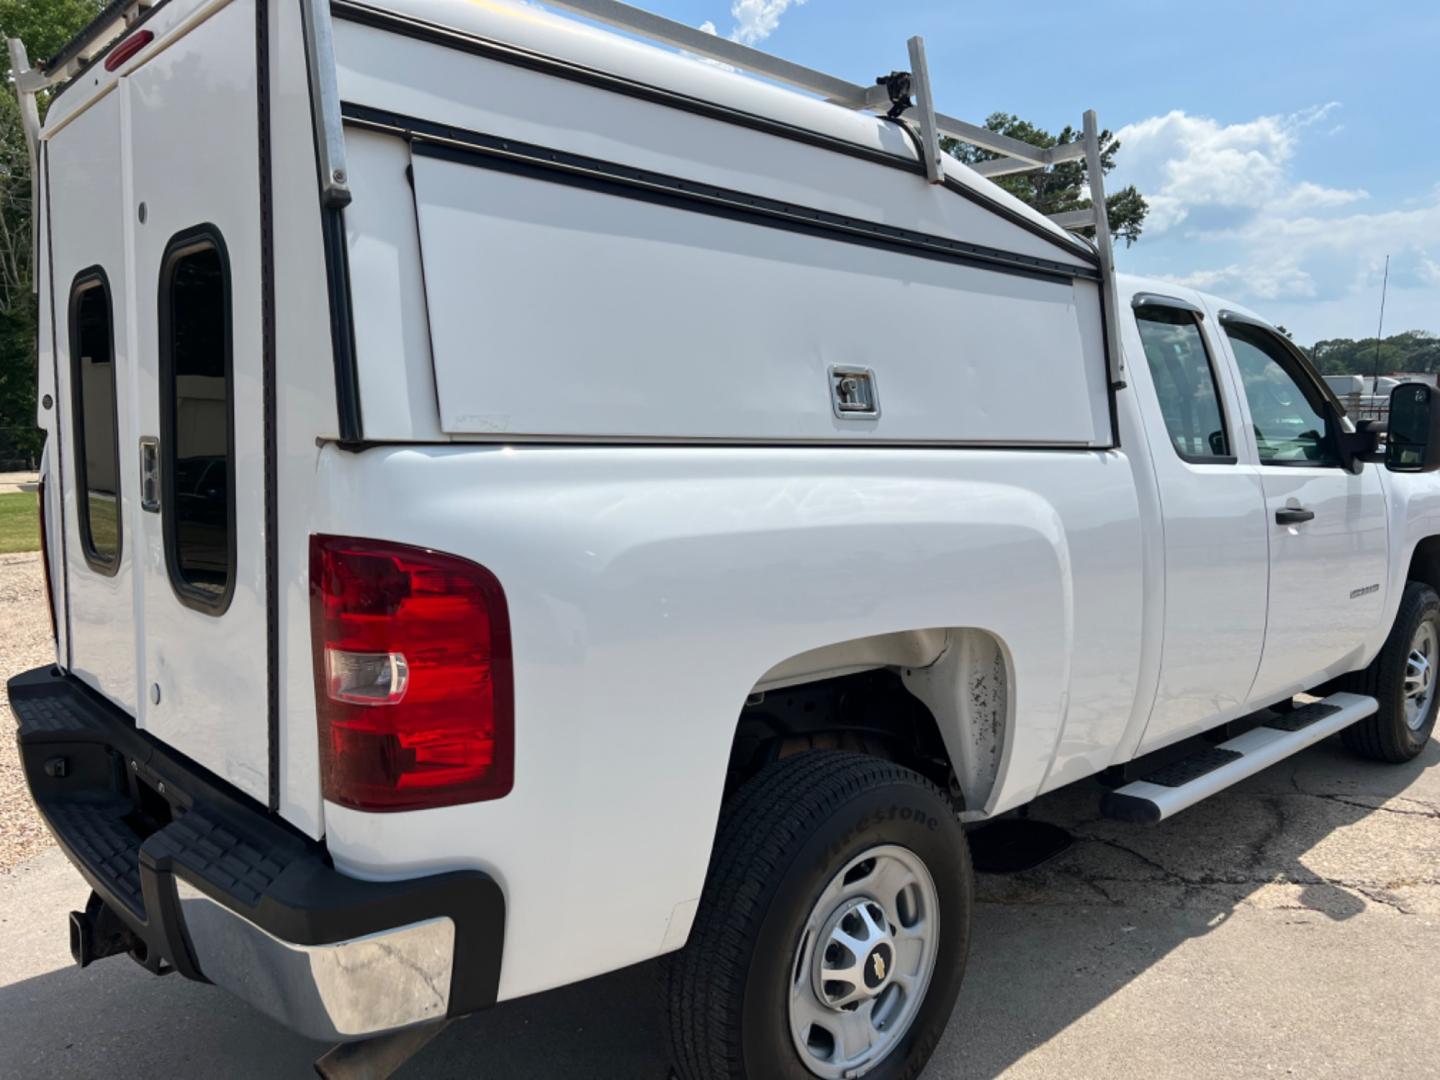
(1420, 675)
(864, 962)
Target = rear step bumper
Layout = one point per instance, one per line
(1183, 783)
(209, 883)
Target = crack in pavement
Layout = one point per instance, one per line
(1373, 890)
(1428, 812)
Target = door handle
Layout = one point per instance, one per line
(1292, 515)
(150, 474)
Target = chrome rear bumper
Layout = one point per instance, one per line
(339, 991)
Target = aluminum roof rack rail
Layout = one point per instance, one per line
(891, 95)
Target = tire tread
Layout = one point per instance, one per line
(1384, 736)
(763, 821)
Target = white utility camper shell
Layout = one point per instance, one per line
(662, 273)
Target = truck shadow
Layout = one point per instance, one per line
(1049, 945)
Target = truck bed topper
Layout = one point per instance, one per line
(901, 96)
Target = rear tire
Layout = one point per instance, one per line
(817, 850)
(1402, 678)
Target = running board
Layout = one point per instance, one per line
(1170, 789)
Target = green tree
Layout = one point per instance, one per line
(1062, 187)
(1413, 351)
(45, 26)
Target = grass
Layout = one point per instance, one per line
(19, 522)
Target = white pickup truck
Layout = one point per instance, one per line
(520, 500)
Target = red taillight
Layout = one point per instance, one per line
(413, 680)
(128, 48)
(45, 560)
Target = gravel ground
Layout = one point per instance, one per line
(26, 643)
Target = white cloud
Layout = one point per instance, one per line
(1329, 260)
(755, 20)
(1306, 196)
(1265, 281)
(1229, 215)
(1181, 162)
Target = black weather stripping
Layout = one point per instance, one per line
(429, 139)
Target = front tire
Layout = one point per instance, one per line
(1402, 678)
(833, 930)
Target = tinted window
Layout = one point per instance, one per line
(1184, 383)
(1287, 411)
(196, 385)
(97, 447)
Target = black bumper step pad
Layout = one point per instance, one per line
(101, 838)
(1179, 773)
(1300, 717)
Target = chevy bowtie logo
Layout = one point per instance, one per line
(879, 963)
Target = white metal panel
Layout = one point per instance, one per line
(305, 405)
(1216, 559)
(558, 311)
(85, 167)
(387, 292)
(48, 419)
(1327, 576)
(445, 85)
(193, 160)
(650, 587)
(1327, 588)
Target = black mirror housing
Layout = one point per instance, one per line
(1413, 432)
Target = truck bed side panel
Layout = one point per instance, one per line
(650, 588)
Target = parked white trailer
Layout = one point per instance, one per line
(521, 500)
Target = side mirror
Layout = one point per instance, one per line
(1413, 433)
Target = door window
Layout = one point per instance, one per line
(1292, 425)
(95, 421)
(196, 414)
(1185, 385)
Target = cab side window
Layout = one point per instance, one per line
(1185, 385)
(1292, 426)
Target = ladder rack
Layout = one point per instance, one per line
(905, 96)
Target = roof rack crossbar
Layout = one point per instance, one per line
(925, 106)
(1095, 172)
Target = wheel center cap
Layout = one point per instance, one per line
(878, 966)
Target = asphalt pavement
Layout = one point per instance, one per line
(1287, 927)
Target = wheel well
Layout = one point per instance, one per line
(871, 712)
(1425, 563)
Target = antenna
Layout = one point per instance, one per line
(1379, 330)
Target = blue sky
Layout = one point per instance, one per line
(1286, 147)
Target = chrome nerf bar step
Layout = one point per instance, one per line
(1168, 790)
